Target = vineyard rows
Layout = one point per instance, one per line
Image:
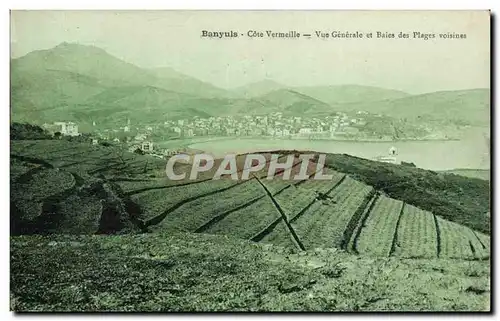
(336, 213)
(325, 226)
(417, 236)
(248, 221)
(377, 235)
(458, 241)
(204, 211)
(342, 212)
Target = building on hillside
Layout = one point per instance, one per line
(65, 128)
(387, 159)
(189, 132)
(305, 131)
(170, 152)
(147, 146)
(391, 158)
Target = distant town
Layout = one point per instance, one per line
(149, 138)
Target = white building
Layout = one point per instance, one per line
(391, 158)
(189, 132)
(65, 128)
(387, 159)
(147, 146)
(305, 130)
(170, 152)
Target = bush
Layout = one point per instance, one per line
(26, 131)
(82, 138)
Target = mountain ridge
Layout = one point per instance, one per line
(67, 76)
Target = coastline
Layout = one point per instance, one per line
(191, 141)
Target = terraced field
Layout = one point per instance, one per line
(378, 233)
(416, 234)
(457, 241)
(327, 224)
(59, 187)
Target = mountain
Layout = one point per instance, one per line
(350, 93)
(171, 79)
(466, 106)
(145, 104)
(290, 102)
(142, 104)
(257, 89)
(95, 62)
(43, 89)
(77, 82)
(85, 60)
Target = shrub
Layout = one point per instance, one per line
(20, 131)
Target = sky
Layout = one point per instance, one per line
(173, 39)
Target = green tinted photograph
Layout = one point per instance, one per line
(250, 161)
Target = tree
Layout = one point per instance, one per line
(139, 151)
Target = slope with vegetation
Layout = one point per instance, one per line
(471, 107)
(122, 191)
(157, 253)
(199, 272)
(346, 94)
(457, 198)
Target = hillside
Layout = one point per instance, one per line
(152, 102)
(291, 215)
(461, 106)
(76, 82)
(36, 90)
(85, 84)
(328, 94)
(171, 79)
(290, 102)
(69, 69)
(457, 198)
(123, 237)
(198, 272)
(257, 89)
(86, 60)
(472, 173)
(350, 93)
